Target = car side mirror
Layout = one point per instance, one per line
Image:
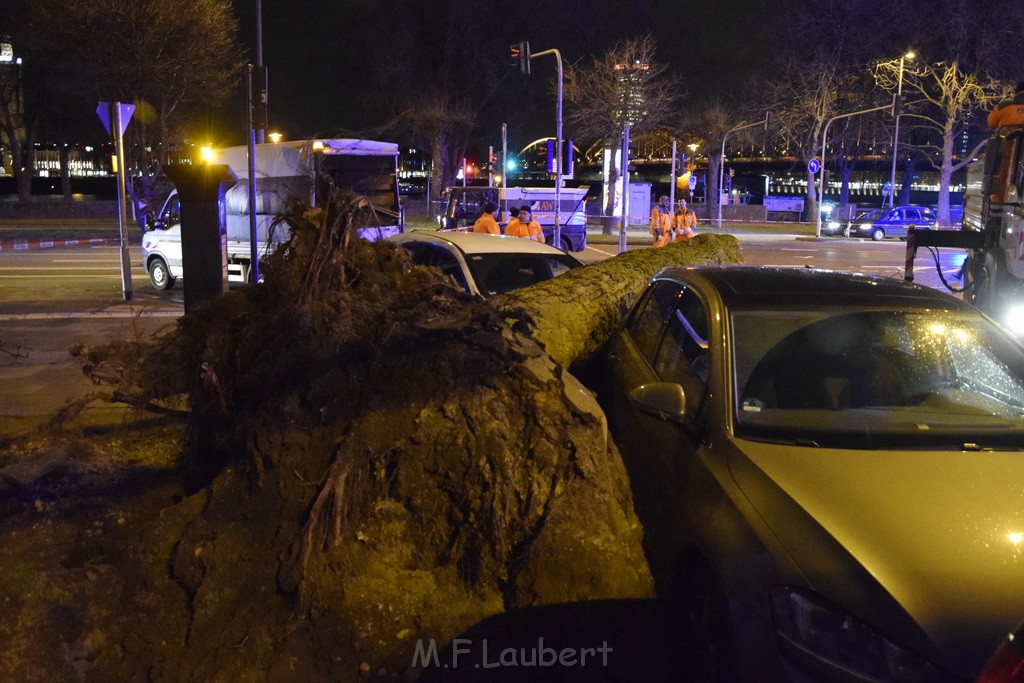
(663, 400)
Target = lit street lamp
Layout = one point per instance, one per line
(896, 133)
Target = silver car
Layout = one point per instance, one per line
(829, 469)
(486, 264)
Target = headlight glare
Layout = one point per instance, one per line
(1013, 319)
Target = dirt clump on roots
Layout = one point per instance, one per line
(369, 457)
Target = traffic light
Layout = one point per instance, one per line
(567, 158)
(520, 53)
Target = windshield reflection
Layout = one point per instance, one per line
(871, 378)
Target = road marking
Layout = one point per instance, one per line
(602, 251)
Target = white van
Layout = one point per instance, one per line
(284, 170)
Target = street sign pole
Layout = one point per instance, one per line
(117, 126)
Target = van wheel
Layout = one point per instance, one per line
(566, 244)
(159, 275)
(877, 234)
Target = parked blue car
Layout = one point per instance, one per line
(881, 223)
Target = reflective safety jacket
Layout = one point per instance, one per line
(685, 221)
(487, 224)
(531, 230)
(1008, 112)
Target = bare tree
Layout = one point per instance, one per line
(946, 101)
(171, 58)
(624, 84)
(804, 96)
(708, 123)
(442, 122)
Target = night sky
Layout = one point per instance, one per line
(323, 56)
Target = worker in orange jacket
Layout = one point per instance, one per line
(661, 222)
(486, 223)
(1009, 112)
(684, 222)
(525, 226)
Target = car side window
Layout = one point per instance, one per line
(445, 261)
(648, 320)
(912, 214)
(683, 355)
(437, 257)
(417, 252)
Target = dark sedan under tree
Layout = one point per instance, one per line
(827, 467)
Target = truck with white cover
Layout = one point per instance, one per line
(284, 171)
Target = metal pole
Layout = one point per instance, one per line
(250, 136)
(721, 178)
(672, 188)
(557, 240)
(490, 166)
(896, 136)
(821, 178)
(260, 134)
(126, 262)
(721, 165)
(625, 187)
(502, 199)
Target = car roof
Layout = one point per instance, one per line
(754, 286)
(479, 243)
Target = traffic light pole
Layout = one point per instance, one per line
(557, 239)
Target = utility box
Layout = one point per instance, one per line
(640, 203)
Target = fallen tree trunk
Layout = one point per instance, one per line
(575, 314)
(373, 459)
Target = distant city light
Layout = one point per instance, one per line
(510, 165)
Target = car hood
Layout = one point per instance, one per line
(941, 532)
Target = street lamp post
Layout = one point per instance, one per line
(896, 133)
(721, 167)
(821, 177)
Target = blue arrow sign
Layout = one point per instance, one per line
(103, 111)
(813, 165)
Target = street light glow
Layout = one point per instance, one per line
(206, 153)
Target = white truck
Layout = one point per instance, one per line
(284, 170)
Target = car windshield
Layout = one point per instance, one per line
(870, 379)
(499, 273)
(874, 215)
